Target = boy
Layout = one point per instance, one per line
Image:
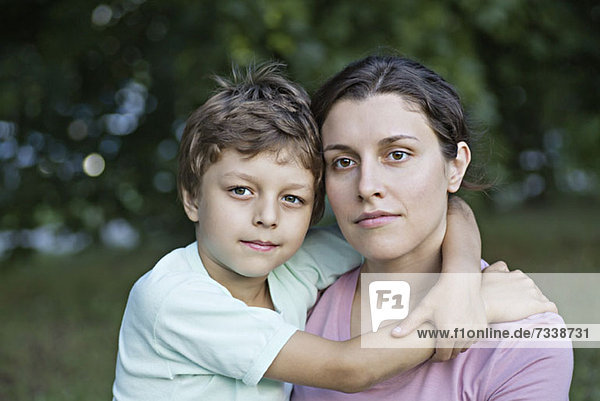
(250, 180)
(209, 321)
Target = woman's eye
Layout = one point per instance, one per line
(397, 155)
(240, 191)
(343, 162)
(292, 199)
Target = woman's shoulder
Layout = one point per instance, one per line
(344, 284)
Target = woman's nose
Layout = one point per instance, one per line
(370, 184)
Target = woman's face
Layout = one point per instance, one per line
(386, 178)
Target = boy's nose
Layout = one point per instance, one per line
(266, 215)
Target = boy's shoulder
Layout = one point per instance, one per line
(175, 273)
(322, 241)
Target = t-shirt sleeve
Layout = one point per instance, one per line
(324, 256)
(530, 374)
(200, 329)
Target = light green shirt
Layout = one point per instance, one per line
(184, 337)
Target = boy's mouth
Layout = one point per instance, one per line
(261, 246)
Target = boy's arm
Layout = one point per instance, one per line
(511, 295)
(323, 257)
(345, 366)
(461, 248)
(465, 299)
(455, 299)
(203, 330)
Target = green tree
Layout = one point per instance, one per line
(117, 81)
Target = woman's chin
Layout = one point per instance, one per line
(382, 254)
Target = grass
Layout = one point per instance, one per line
(555, 239)
(61, 315)
(563, 238)
(61, 318)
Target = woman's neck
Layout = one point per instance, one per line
(430, 262)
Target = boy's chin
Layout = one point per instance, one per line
(253, 271)
(253, 275)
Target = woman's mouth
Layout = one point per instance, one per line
(375, 219)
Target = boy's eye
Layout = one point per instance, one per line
(397, 155)
(343, 162)
(240, 191)
(292, 199)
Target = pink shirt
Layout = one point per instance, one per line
(477, 374)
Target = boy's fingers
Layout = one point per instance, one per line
(443, 352)
(419, 316)
(455, 352)
(496, 267)
(546, 306)
(552, 307)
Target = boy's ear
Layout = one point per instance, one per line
(458, 166)
(190, 205)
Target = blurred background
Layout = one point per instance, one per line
(93, 101)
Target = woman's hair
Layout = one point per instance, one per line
(259, 111)
(435, 98)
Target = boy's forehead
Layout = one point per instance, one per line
(282, 157)
(268, 162)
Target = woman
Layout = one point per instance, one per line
(396, 145)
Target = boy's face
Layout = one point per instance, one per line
(252, 213)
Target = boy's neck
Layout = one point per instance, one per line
(253, 291)
(252, 294)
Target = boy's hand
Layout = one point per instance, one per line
(511, 295)
(455, 301)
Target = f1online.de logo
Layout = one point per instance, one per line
(389, 300)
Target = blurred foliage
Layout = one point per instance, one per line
(117, 80)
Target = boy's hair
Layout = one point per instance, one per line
(259, 111)
(435, 98)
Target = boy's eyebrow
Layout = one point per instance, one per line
(251, 178)
(239, 174)
(382, 142)
(298, 186)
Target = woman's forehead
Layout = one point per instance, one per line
(375, 118)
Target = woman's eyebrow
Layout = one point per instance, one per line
(382, 142)
(344, 148)
(391, 139)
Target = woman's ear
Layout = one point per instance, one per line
(458, 166)
(190, 205)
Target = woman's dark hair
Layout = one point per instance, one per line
(418, 85)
